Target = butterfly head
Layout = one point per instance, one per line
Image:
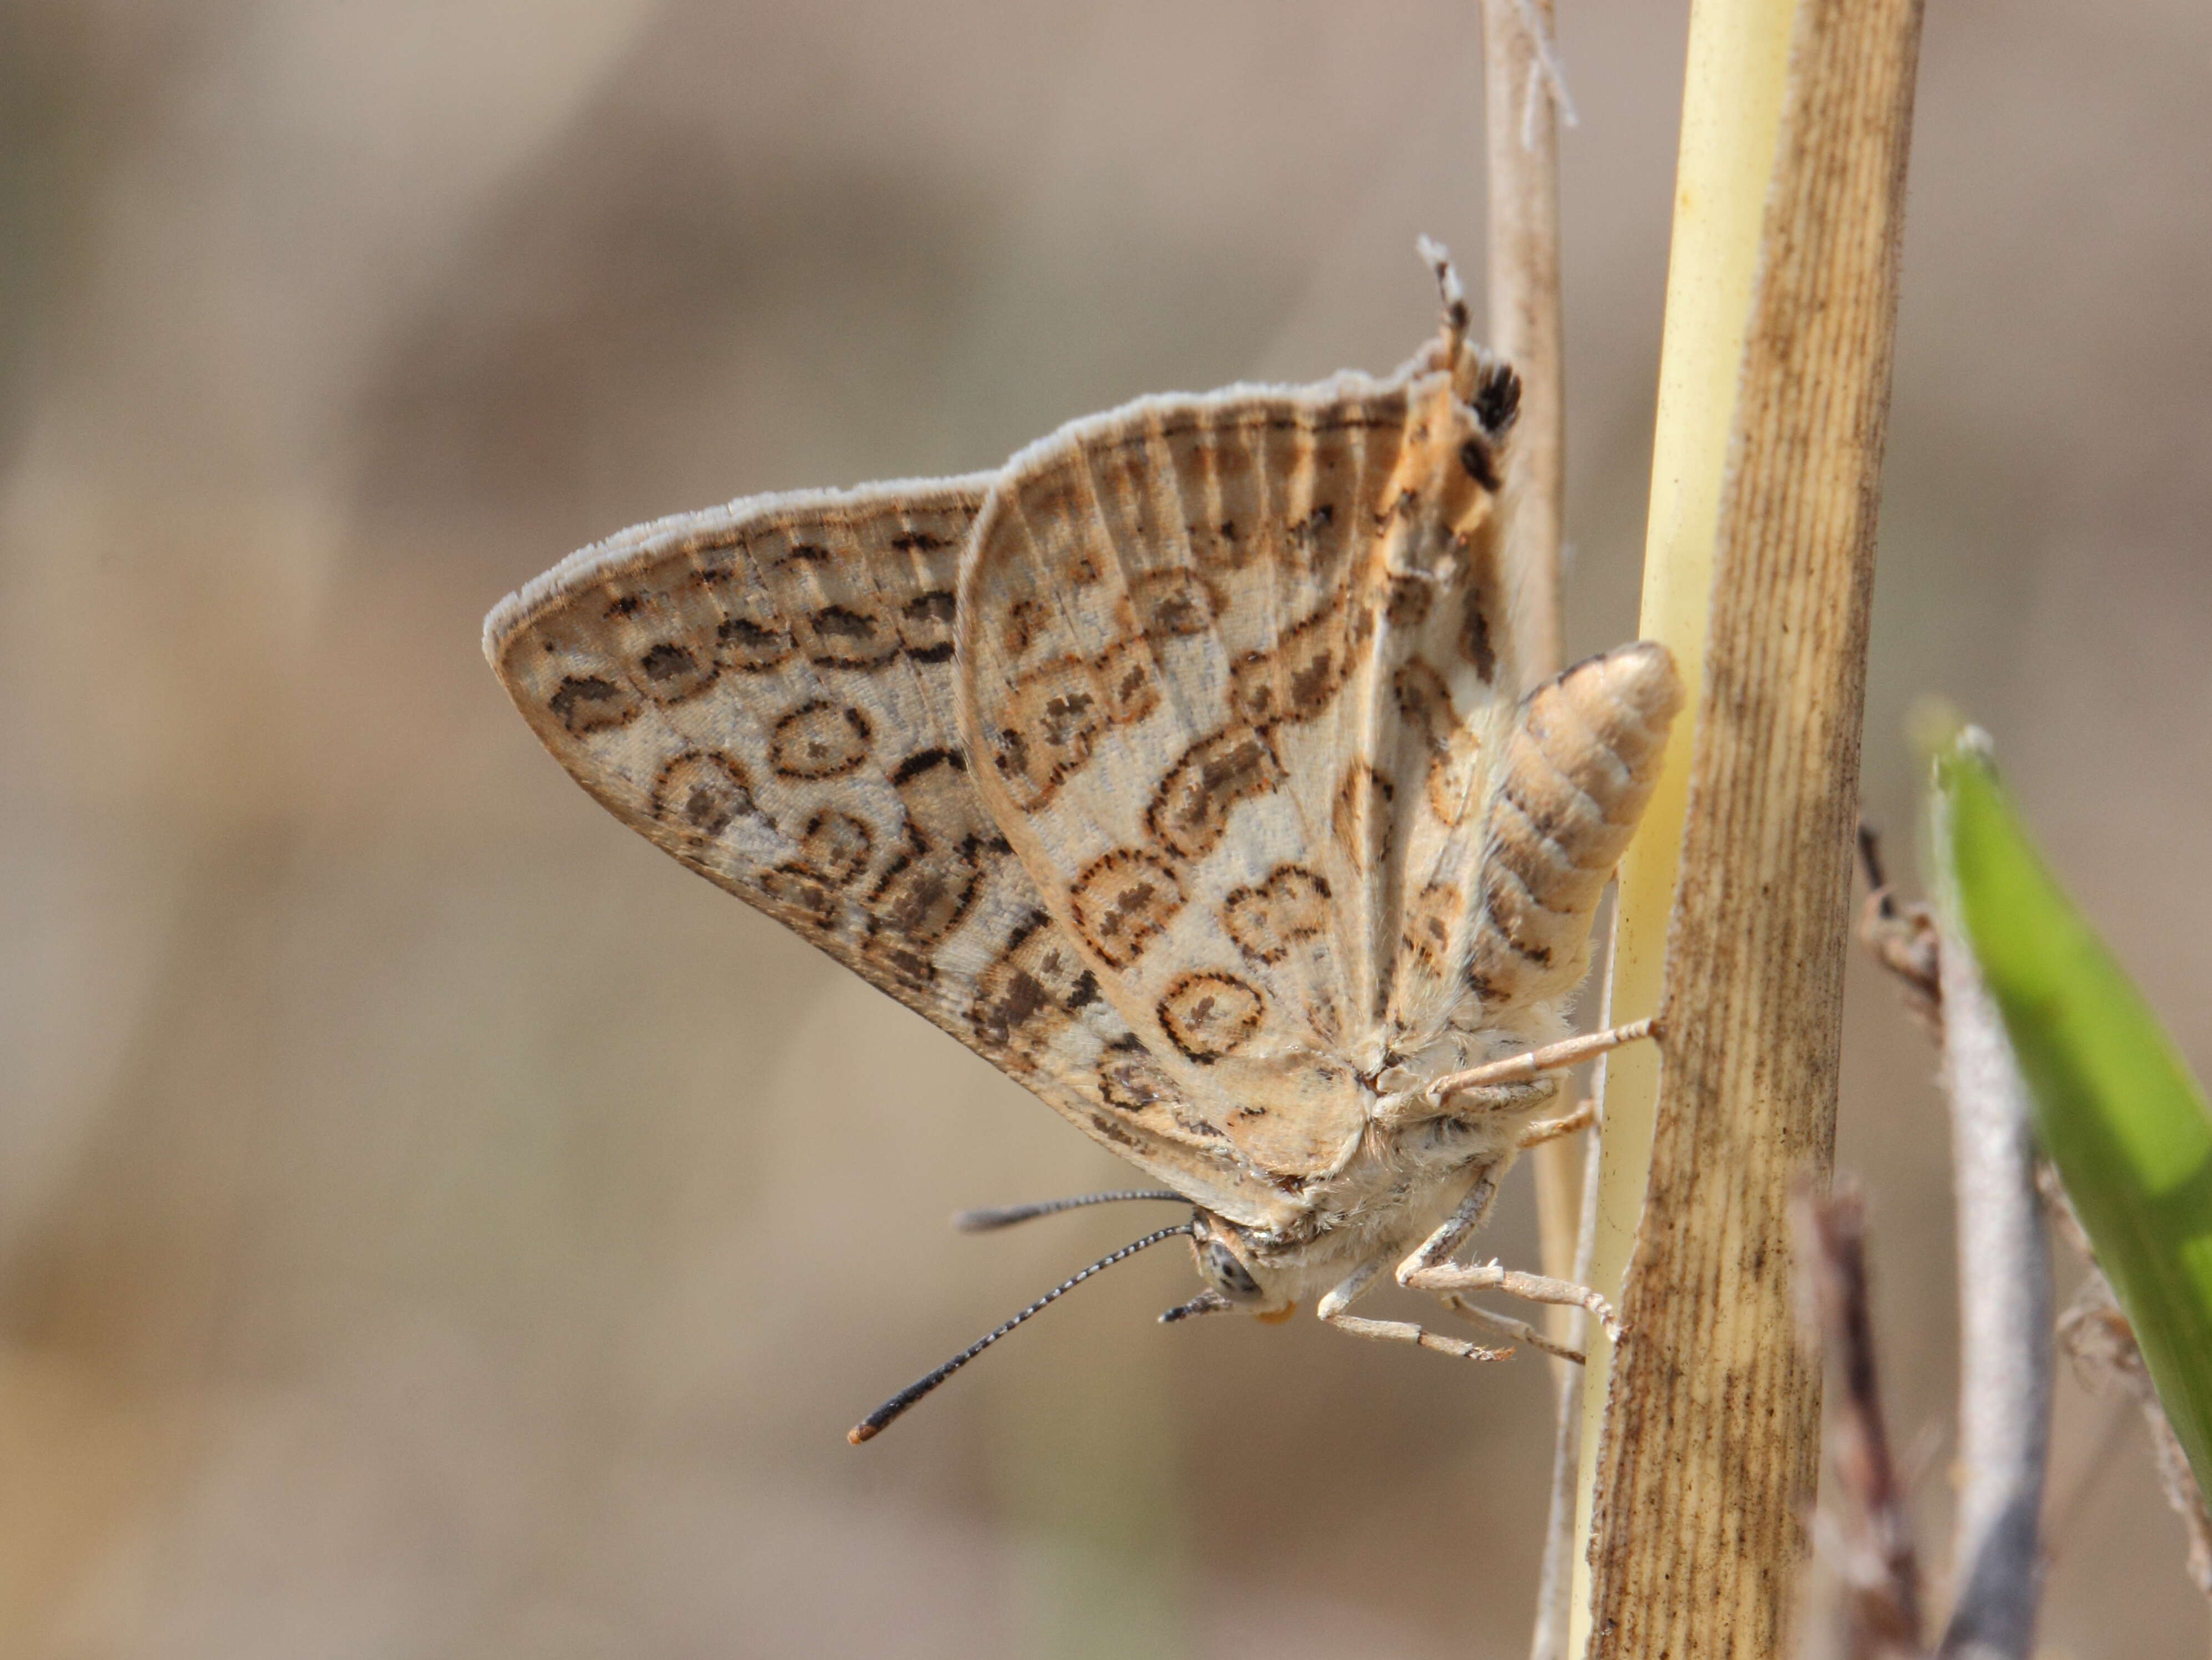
(1232, 1269)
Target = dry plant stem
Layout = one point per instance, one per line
(1880, 1576)
(1524, 312)
(1712, 1421)
(1555, 1579)
(1522, 146)
(2004, 1307)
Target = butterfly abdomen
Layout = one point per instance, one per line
(1578, 770)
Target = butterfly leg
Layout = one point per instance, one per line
(1472, 1212)
(1519, 1331)
(1432, 1269)
(1400, 1331)
(1532, 1063)
(1420, 1107)
(1433, 1258)
(1447, 1277)
(1551, 1129)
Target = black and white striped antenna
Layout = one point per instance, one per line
(874, 1424)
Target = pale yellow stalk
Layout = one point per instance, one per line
(1731, 115)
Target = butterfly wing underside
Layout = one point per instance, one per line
(766, 691)
(1233, 672)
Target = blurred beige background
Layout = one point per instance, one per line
(433, 1224)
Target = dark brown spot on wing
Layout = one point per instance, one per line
(925, 894)
(841, 636)
(1314, 541)
(926, 626)
(1301, 677)
(1123, 675)
(1046, 727)
(1131, 1083)
(1209, 1015)
(701, 793)
(1217, 547)
(924, 762)
(1032, 989)
(938, 876)
(1474, 638)
(1023, 621)
(1123, 899)
(586, 703)
(819, 739)
(804, 899)
(1172, 602)
(673, 673)
(1429, 925)
(1425, 702)
(835, 846)
(751, 645)
(1287, 909)
(1190, 813)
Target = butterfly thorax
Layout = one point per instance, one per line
(1410, 1166)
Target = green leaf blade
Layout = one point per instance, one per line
(2115, 1108)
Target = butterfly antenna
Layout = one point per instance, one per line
(984, 1221)
(1453, 292)
(873, 1424)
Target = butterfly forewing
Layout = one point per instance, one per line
(766, 691)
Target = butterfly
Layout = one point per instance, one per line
(1185, 768)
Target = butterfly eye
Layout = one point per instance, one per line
(1229, 1277)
